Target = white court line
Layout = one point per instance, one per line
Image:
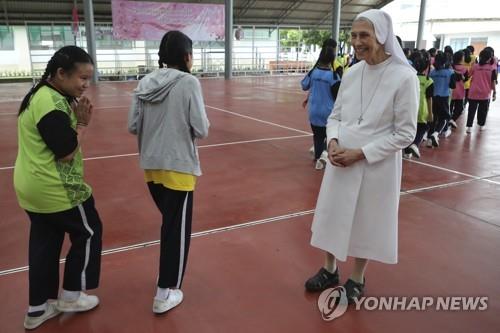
(8, 113)
(201, 146)
(289, 216)
(287, 91)
(193, 235)
(456, 172)
(256, 119)
(439, 186)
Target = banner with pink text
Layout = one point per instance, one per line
(135, 20)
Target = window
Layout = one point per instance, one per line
(409, 44)
(459, 43)
(104, 39)
(6, 38)
(62, 36)
(42, 37)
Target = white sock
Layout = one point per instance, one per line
(37, 308)
(162, 293)
(70, 296)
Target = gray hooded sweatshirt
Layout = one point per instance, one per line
(168, 115)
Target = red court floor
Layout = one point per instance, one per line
(253, 207)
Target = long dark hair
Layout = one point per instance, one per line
(327, 54)
(440, 61)
(489, 48)
(174, 47)
(484, 57)
(467, 56)
(458, 57)
(66, 58)
(421, 61)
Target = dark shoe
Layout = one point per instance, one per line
(323, 280)
(434, 139)
(354, 290)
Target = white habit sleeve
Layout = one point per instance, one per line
(405, 123)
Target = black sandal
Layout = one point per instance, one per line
(322, 280)
(354, 290)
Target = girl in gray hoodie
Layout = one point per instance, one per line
(168, 115)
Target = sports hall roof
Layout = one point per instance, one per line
(303, 13)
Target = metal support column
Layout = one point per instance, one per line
(336, 20)
(421, 25)
(277, 49)
(228, 57)
(90, 34)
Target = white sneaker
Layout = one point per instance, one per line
(33, 322)
(320, 164)
(468, 130)
(428, 143)
(175, 298)
(447, 133)
(434, 139)
(453, 123)
(311, 151)
(83, 303)
(414, 150)
(482, 128)
(324, 156)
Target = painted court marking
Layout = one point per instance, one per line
(200, 147)
(257, 119)
(209, 232)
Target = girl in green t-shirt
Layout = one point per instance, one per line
(48, 180)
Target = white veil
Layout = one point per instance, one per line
(384, 32)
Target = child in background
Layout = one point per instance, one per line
(432, 53)
(168, 115)
(482, 83)
(444, 80)
(469, 60)
(323, 85)
(494, 67)
(458, 94)
(421, 62)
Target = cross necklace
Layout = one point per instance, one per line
(363, 110)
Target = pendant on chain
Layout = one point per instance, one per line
(360, 119)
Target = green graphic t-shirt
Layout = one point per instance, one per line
(43, 184)
(423, 112)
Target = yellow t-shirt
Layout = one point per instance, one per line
(173, 180)
(469, 67)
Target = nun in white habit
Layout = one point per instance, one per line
(374, 117)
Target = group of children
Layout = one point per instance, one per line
(448, 81)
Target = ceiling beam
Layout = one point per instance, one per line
(288, 10)
(246, 6)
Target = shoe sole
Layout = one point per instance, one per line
(315, 290)
(32, 327)
(69, 309)
(158, 312)
(352, 301)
